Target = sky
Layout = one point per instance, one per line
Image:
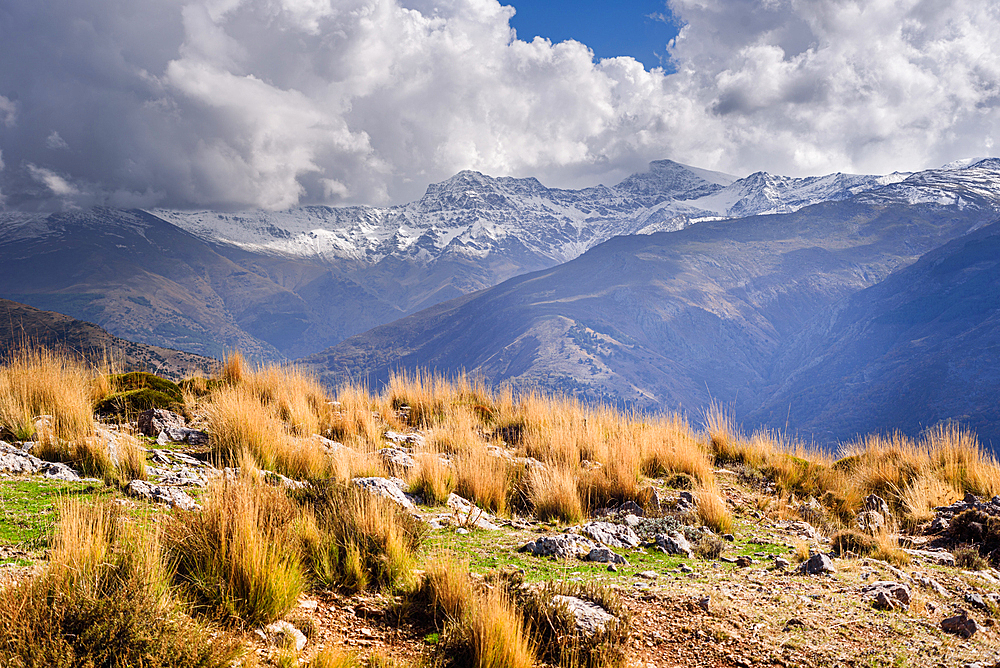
(230, 104)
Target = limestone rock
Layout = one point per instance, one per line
(612, 535)
(390, 488)
(471, 514)
(171, 496)
(886, 595)
(182, 435)
(155, 420)
(396, 459)
(870, 521)
(876, 504)
(562, 546)
(817, 565)
(674, 543)
(590, 617)
(15, 460)
(605, 555)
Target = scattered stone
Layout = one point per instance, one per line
(590, 617)
(631, 508)
(396, 459)
(612, 535)
(870, 522)
(605, 555)
(876, 504)
(940, 557)
(686, 501)
(181, 435)
(390, 488)
(613, 568)
(15, 460)
(685, 569)
(793, 622)
(632, 520)
(933, 585)
(155, 420)
(408, 439)
(471, 514)
(939, 525)
(171, 496)
(283, 633)
(705, 603)
(562, 546)
(728, 536)
(817, 564)
(975, 599)
(276, 479)
(743, 561)
(648, 575)
(886, 595)
(961, 624)
(727, 560)
(461, 531)
(588, 465)
(674, 543)
(781, 563)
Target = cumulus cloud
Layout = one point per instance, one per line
(273, 103)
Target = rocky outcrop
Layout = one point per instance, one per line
(591, 618)
(17, 461)
(389, 488)
(562, 546)
(612, 535)
(170, 496)
(885, 595)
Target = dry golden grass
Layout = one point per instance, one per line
(241, 422)
(434, 479)
(35, 381)
(486, 480)
(497, 635)
(239, 556)
(712, 510)
(552, 493)
(103, 600)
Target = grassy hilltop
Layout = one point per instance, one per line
(387, 528)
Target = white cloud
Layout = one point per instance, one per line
(59, 186)
(55, 142)
(276, 102)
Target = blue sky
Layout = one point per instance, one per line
(609, 28)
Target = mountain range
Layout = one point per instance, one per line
(675, 287)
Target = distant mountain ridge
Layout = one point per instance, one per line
(23, 325)
(280, 285)
(673, 320)
(474, 216)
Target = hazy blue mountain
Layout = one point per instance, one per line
(675, 319)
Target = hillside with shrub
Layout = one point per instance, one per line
(253, 518)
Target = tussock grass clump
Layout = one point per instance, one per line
(356, 540)
(552, 494)
(487, 480)
(482, 629)
(712, 510)
(434, 480)
(882, 546)
(553, 626)
(968, 558)
(331, 657)
(35, 382)
(240, 421)
(104, 600)
(117, 459)
(238, 558)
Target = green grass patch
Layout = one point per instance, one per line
(28, 508)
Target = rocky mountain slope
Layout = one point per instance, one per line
(280, 285)
(22, 324)
(677, 319)
(916, 349)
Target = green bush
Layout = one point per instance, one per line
(129, 403)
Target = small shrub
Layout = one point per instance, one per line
(130, 403)
(854, 541)
(553, 626)
(237, 558)
(710, 547)
(978, 529)
(968, 558)
(679, 481)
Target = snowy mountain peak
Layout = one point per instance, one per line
(475, 216)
